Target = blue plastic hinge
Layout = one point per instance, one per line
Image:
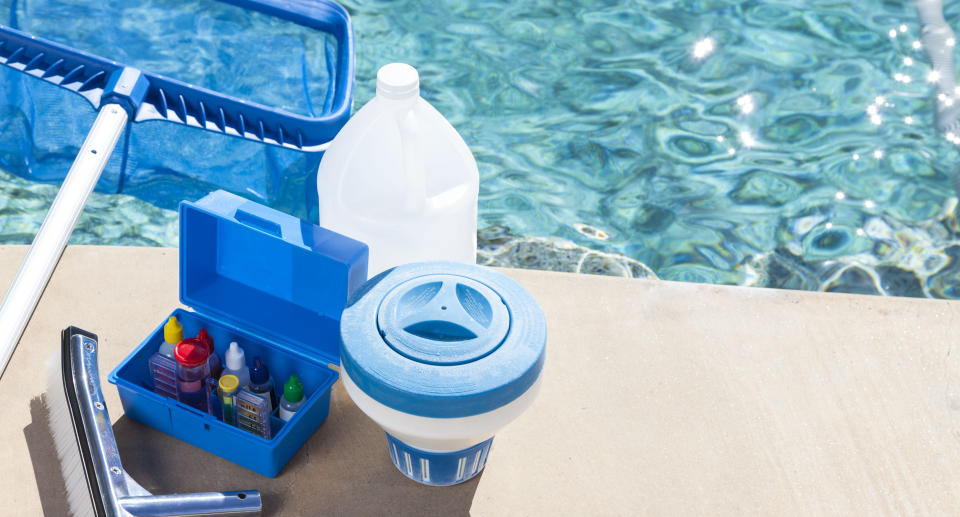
(127, 87)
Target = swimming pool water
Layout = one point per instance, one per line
(783, 144)
(108, 219)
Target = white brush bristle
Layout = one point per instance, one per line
(64, 439)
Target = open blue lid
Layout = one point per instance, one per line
(267, 272)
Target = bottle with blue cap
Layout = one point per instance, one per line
(261, 382)
(441, 355)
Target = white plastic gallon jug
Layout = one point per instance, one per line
(400, 178)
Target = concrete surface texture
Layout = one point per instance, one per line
(658, 398)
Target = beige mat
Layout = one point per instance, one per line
(659, 398)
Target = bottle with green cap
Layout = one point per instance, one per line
(292, 398)
(172, 334)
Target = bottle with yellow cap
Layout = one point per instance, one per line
(172, 334)
(228, 396)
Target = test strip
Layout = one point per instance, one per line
(253, 413)
(163, 371)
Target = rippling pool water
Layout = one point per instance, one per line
(785, 144)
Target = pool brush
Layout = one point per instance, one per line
(95, 481)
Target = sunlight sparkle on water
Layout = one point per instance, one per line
(703, 48)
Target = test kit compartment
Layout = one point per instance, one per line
(274, 284)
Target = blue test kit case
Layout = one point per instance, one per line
(275, 284)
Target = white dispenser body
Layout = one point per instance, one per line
(439, 434)
(400, 178)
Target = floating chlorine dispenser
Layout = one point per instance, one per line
(441, 355)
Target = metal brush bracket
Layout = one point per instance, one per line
(119, 495)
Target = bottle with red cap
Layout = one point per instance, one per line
(216, 366)
(192, 371)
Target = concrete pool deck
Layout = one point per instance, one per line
(658, 398)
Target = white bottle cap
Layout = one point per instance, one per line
(235, 357)
(398, 81)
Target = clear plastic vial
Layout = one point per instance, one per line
(192, 373)
(228, 397)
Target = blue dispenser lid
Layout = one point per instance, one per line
(267, 272)
(443, 339)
